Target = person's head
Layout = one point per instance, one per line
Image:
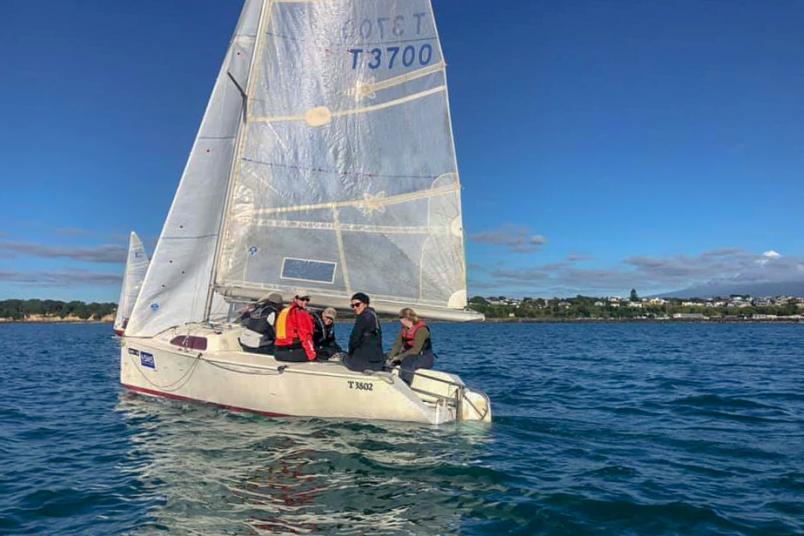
(328, 316)
(359, 303)
(301, 299)
(408, 317)
(274, 298)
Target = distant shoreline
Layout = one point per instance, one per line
(54, 321)
(642, 320)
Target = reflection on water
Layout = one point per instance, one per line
(219, 472)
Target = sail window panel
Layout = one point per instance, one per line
(258, 258)
(308, 270)
(318, 52)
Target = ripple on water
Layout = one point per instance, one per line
(606, 428)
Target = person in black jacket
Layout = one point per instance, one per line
(324, 334)
(365, 343)
(258, 321)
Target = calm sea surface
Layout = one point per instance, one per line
(606, 428)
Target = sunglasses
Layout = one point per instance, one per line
(303, 299)
(355, 305)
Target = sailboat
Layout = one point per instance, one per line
(325, 161)
(136, 268)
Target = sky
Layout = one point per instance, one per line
(602, 145)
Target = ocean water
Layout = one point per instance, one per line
(599, 429)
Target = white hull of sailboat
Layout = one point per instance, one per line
(228, 377)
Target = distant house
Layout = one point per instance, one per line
(599, 303)
(689, 316)
(657, 301)
(635, 305)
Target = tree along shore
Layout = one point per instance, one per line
(583, 308)
(55, 311)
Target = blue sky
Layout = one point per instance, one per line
(602, 145)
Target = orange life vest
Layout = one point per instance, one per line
(409, 335)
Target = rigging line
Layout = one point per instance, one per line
(337, 172)
(355, 111)
(358, 203)
(170, 386)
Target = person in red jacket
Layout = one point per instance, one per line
(294, 331)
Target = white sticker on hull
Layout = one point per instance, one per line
(147, 360)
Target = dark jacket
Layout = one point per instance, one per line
(324, 338)
(260, 321)
(365, 343)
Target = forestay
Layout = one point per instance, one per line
(345, 178)
(177, 287)
(136, 267)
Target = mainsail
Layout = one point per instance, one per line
(346, 178)
(136, 267)
(325, 160)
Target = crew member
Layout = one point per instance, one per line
(365, 342)
(413, 348)
(258, 333)
(324, 334)
(294, 331)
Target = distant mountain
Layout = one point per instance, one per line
(786, 288)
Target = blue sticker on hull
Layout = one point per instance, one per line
(147, 360)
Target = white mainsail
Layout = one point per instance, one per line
(325, 160)
(346, 179)
(136, 267)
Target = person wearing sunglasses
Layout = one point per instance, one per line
(294, 331)
(365, 342)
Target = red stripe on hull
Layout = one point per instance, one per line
(171, 396)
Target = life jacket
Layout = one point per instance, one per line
(409, 335)
(291, 326)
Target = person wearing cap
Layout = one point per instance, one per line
(258, 333)
(413, 348)
(324, 334)
(294, 331)
(365, 342)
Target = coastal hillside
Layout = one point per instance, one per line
(55, 311)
